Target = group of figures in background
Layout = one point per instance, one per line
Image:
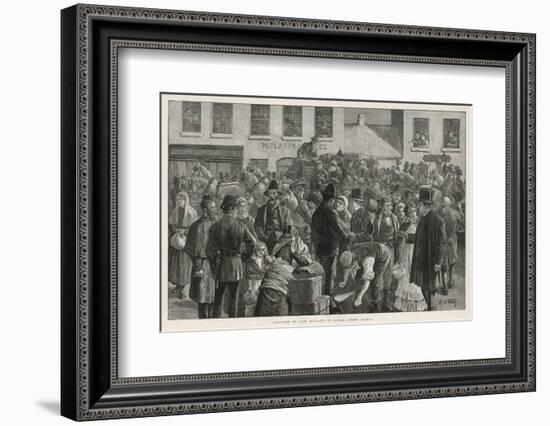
(337, 233)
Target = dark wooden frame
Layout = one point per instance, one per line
(91, 37)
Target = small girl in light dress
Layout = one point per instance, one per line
(255, 269)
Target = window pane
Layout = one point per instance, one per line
(323, 122)
(259, 120)
(222, 119)
(191, 117)
(292, 121)
(451, 133)
(421, 133)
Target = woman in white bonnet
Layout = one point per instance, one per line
(179, 262)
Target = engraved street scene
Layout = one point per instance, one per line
(287, 207)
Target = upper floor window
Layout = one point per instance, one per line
(222, 119)
(191, 122)
(292, 121)
(259, 120)
(323, 122)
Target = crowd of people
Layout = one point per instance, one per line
(391, 232)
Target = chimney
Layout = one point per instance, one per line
(361, 119)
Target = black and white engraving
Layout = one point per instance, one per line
(278, 210)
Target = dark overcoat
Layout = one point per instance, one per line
(224, 248)
(429, 250)
(263, 229)
(326, 231)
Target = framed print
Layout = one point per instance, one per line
(288, 192)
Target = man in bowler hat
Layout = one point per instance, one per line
(429, 248)
(272, 218)
(223, 250)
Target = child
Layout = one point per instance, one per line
(408, 296)
(255, 268)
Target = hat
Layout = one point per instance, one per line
(229, 201)
(386, 199)
(356, 194)
(425, 195)
(329, 192)
(242, 200)
(272, 185)
(297, 184)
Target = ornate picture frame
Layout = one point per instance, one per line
(91, 37)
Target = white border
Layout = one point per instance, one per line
(144, 351)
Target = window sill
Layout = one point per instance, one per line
(451, 149)
(260, 137)
(420, 149)
(292, 138)
(191, 134)
(221, 135)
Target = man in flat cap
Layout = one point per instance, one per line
(272, 218)
(327, 235)
(203, 282)
(226, 238)
(429, 248)
(304, 209)
(386, 232)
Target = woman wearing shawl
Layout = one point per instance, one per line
(179, 263)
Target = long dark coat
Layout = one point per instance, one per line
(224, 248)
(429, 250)
(202, 288)
(326, 232)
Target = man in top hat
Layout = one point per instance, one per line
(327, 235)
(225, 241)
(386, 232)
(429, 248)
(272, 218)
(360, 224)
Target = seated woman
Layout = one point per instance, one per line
(273, 299)
(292, 249)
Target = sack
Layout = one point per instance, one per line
(177, 241)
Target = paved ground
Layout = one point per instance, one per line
(186, 308)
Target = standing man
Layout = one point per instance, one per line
(224, 254)
(304, 210)
(203, 282)
(327, 235)
(360, 223)
(429, 248)
(386, 232)
(450, 217)
(272, 218)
